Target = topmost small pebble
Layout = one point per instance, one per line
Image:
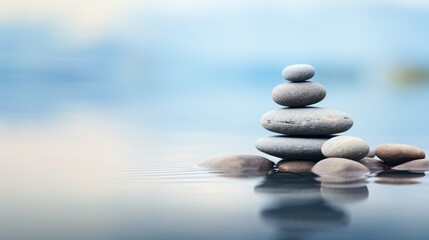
(298, 72)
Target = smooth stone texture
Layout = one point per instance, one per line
(374, 165)
(306, 121)
(345, 147)
(395, 154)
(340, 169)
(298, 94)
(295, 148)
(371, 153)
(418, 166)
(298, 72)
(295, 166)
(239, 162)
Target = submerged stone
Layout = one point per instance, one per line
(238, 163)
(419, 166)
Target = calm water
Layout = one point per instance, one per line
(90, 179)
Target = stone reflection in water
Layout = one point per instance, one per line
(303, 206)
(344, 193)
(399, 177)
(241, 174)
(296, 220)
(290, 186)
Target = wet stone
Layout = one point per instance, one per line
(298, 72)
(296, 148)
(306, 121)
(417, 166)
(295, 166)
(340, 170)
(371, 153)
(395, 154)
(374, 165)
(238, 163)
(345, 147)
(298, 94)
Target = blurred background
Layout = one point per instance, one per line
(87, 86)
(115, 82)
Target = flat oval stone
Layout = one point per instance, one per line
(306, 121)
(298, 94)
(340, 168)
(395, 154)
(298, 72)
(345, 147)
(374, 165)
(295, 166)
(239, 162)
(296, 148)
(418, 166)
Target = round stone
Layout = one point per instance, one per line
(295, 148)
(340, 169)
(238, 163)
(306, 121)
(418, 166)
(345, 147)
(295, 166)
(374, 165)
(298, 72)
(299, 94)
(371, 153)
(395, 154)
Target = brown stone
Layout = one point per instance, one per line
(395, 154)
(295, 166)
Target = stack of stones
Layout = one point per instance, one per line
(304, 129)
(307, 143)
(308, 136)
